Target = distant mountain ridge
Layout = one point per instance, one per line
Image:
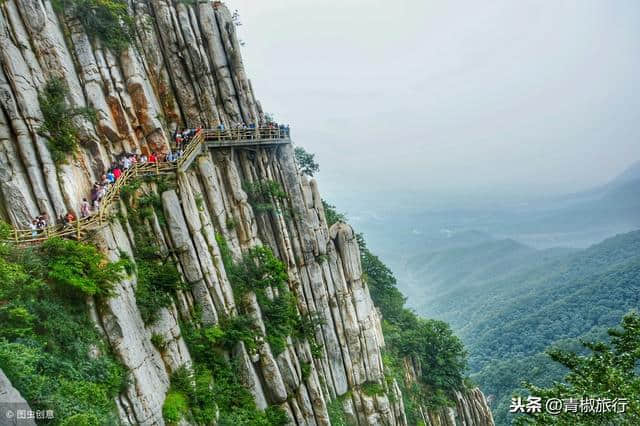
(631, 173)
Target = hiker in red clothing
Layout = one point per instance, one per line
(116, 173)
(68, 219)
(152, 157)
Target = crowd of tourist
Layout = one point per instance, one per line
(38, 224)
(126, 161)
(284, 129)
(183, 138)
(101, 187)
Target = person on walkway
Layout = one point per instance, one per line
(116, 173)
(110, 177)
(102, 191)
(34, 228)
(126, 162)
(45, 218)
(152, 157)
(84, 208)
(69, 218)
(94, 194)
(143, 159)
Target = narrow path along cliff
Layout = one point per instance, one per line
(229, 296)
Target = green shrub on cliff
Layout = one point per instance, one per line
(58, 125)
(106, 20)
(157, 275)
(175, 407)
(335, 410)
(264, 274)
(79, 268)
(216, 382)
(332, 215)
(434, 345)
(264, 195)
(157, 282)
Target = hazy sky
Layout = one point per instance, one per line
(459, 96)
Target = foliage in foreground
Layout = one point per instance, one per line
(609, 372)
(49, 348)
(58, 124)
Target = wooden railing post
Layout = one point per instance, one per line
(78, 227)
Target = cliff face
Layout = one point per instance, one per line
(185, 69)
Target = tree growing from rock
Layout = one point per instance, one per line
(306, 161)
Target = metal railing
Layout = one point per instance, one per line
(248, 136)
(79, 228)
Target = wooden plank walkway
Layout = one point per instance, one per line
(205, 139)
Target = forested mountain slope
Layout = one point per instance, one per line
(451, 272)
(507, 322)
